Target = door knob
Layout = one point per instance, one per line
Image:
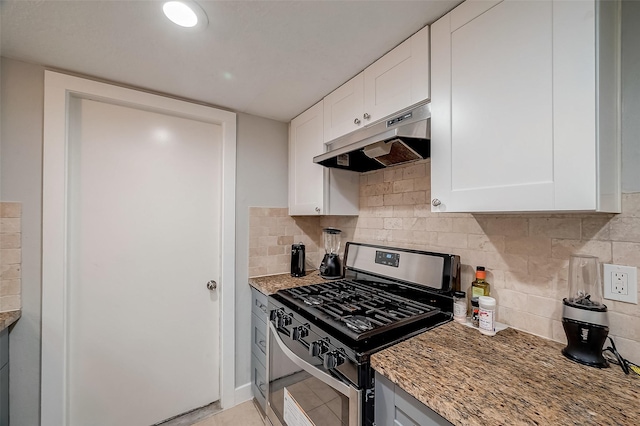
(212, 285)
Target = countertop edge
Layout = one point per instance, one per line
(9, 317)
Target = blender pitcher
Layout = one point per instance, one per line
(584, 316)
(330, 267)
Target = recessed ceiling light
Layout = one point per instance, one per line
(185, 13)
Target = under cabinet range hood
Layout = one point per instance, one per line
(398, 139)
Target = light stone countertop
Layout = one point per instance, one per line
(270, 284)
(512, 378)
(8, 318)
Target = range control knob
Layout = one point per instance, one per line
(333, 359)
(299, 332)
(285, 320)
(273, 314)
(318, 347)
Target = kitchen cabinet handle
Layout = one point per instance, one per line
(263, 344)
(356, 121)
(262, 387)
(317, 209)
(261, 306)
(435, 202)
(212, 285)
(366, 116)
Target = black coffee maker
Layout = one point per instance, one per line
(584, 316)
(330, 268)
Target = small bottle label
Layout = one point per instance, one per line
(486, 319)
(477, 291)
(460, 309)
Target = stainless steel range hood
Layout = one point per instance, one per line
(398, 139)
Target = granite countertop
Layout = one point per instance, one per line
(269, 284)
(512, 378)
(8, 318)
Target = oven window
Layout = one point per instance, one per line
(322, 405)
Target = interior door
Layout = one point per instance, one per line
(143, 240)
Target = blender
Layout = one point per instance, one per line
(330, 267)
(584, 317)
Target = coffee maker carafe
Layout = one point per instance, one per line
(584, 317)
(330, 267)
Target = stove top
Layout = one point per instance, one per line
(359, 309)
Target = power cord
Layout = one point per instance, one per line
(613, 356)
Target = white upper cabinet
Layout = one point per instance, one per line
(525, 107)
(314, 189)
(394, 82)
(343, 109)
(399, 79)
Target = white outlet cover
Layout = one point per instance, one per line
(632, 282)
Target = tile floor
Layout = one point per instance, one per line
(245, 414)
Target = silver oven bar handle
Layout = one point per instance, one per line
(355, 410)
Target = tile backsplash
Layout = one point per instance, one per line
(272, 231)
(10, 256)
(526, 255)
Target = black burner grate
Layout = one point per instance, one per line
(359, 307)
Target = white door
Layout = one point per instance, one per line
(135, 198)
(143, 242)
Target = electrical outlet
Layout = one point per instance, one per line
(621, 283)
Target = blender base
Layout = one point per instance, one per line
(585, 342)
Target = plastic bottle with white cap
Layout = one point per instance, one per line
(487, 313)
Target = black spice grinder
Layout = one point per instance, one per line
(297, 260)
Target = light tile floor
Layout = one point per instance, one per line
(245, 414)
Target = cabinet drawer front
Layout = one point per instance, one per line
(259, 304)
(258, 382)
(258, 338)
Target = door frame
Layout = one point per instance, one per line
(58, 89)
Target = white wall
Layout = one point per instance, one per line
(261, 181)
(22, 105)
(261, 178)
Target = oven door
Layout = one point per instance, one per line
(301, 392)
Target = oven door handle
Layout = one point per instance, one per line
(349, 391)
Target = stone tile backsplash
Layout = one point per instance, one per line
(10, 256)
(526, 255)
(272, 231)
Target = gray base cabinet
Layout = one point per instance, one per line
(4, 377)
(259, 319)
(396, 407)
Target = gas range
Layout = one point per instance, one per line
(387, 295)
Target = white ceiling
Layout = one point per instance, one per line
(269, 58)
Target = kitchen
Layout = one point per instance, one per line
(508, 245)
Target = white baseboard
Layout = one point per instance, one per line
(243, 393)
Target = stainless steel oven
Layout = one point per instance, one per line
(321, 336)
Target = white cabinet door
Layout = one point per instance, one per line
(314, 189)
(514, 108)
(306, 179)
(343, 109)
(399, 79)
